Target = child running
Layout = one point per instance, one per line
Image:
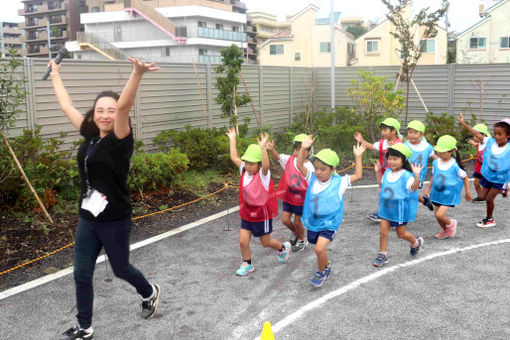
(495, 167)
(398, 200)
(445, 186)
(390, 134)
(257, 201)
(422, 152)
(292, 190)
(480, 146)
(324, 201)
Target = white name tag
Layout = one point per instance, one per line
(95, 202)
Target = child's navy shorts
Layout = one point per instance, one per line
(293, 209)
(477, 175)
(439, 204)
(314, 235)
(490, 185)
(394, 224)
(258, 228)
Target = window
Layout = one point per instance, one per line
(350, 49)
(202, 51)
(428, 45)
(504, 42)
(475, 43)
(202, 24)
(372, 46)
(181, 31)
(325, 47)
(276, 49)
(219, 26)
(167, 51)
(297, 56)
(95, 9)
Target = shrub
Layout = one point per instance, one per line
(51, 171)
(205, 148)
(445, 124)
(153, 171)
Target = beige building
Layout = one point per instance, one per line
(378, 47)
(62, 17)
(267, 25)
(306, 43)
(487, 41)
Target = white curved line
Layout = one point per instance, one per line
(344, 289)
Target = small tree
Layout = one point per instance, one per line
(229, 97)
(375, 99)
(357, 30)
(405, 32)
(12, 94)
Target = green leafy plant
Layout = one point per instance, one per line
(375, 100)
(227, 83)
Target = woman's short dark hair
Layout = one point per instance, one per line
(89, 127)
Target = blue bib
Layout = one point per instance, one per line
(421, 157)
(446, 185)
(496, 168)
(324, 210)
(396, 203)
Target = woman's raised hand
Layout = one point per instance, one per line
(141, 67)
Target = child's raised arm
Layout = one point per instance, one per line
(274, 153)
(265, 157)
(233, 148)
(378, 175)
(469, 128)
(305, 145)
(416, 172)
(358, 151)
(359, 138)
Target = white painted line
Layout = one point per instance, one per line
(371, 186)
(377, 274)
(51, 277)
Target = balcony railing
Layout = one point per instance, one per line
(213, 33)
(35, 23)
(60, 20)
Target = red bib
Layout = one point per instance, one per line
(257, 204)
(293, 185)
(479, 161)
(382, 154)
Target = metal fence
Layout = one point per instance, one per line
(170, 98)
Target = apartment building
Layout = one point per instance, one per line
(10, 37)
(235, 6)
(175, 34)
(49, 24)
(267, 26)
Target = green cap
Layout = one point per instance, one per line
(482, 128)
(253, 154)
(403, 149)
(392, 122)
(445, 143)
(300, 138)
(328, 157)
(416, 125)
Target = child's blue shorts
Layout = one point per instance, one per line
(258, 228)
(313, 236)
(293, 209)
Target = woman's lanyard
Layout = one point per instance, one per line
(91, 150)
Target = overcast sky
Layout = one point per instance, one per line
(462, 13)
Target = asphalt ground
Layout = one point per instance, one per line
(454, 289)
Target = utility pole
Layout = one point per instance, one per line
(49, 36)
(332, 51)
